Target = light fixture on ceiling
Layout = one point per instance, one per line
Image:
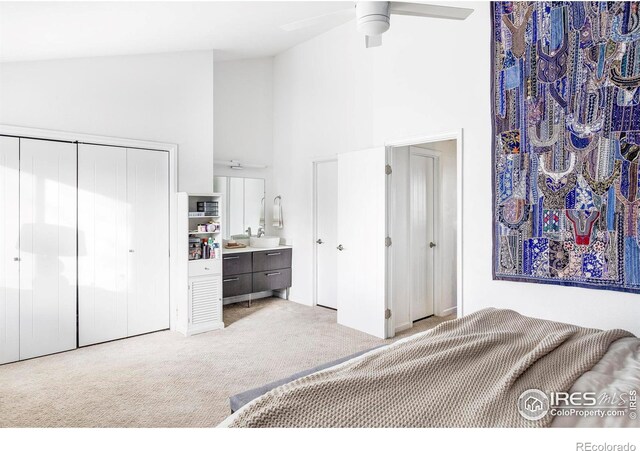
(237, 165)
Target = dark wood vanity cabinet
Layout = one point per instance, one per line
(257, 271)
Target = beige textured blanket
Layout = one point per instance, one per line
(467, 372)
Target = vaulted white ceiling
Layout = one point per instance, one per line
(234, 29)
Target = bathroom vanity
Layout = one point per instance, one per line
(252, 273)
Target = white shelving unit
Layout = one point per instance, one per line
(200, 301)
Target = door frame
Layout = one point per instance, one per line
(175, 262)
(458, 136)
(314, 266)
(437, 225)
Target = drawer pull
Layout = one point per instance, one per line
(231, 258)
(231, 280)
(269, 274)
(272, 254)
(207, 268)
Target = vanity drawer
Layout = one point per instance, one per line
(239, 263)
(235, 285)
(271, 280)
(204, 267)
(275, 259)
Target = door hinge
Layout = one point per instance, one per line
(387, 314)
(387, 241)
(387, 169)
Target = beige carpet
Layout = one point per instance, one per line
(167, 380)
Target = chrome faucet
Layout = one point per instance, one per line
(248, 231)
(260, 231)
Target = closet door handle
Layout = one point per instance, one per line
(340, 247)
(432, 244)
(272, 254)
(131, 251)
(16, 259)
(231, 258)
(231, 280)
(319, 241)
(269, 274)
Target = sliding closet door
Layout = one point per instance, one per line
(148, 204)
(103, 243)
(47, 247)
(361, 239)
(9, 237)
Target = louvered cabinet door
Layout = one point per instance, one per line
(205, 304)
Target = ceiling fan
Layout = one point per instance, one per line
(373, 17)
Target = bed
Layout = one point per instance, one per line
(492, 368)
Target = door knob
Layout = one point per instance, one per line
(319, 241)
(432, 244)
(16, 259)
(131, 251)
(340, 247)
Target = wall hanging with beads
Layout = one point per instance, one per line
(566, 143)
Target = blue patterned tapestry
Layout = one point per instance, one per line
(566, 142)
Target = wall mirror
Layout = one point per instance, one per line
(243, 204)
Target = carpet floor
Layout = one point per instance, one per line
(167, 380)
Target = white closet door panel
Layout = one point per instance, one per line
(422, 234)
(148, 204)
(327, 233)
(48, 189)
(9, 237)
(361, 231)
(103, 243)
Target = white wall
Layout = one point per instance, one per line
(162, 97)
(243, 126)
(331, 95)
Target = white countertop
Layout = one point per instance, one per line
(253, 249)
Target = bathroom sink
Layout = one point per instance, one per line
(242, 239)
(264, 241)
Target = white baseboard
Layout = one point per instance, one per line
(449, 311)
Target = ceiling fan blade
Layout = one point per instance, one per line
(373, 41)
(335, 18)
(424, 10)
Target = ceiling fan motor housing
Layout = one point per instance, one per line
(372, 17)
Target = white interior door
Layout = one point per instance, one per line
(148, 213)
(9, 253)
(103, 243)
(48, 188)
(326, 238)
(423, 217)
(361, 234)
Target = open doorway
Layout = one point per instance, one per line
(424, 220)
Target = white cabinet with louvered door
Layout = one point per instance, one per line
(205, 303)
(9, 250)
(199, 303)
